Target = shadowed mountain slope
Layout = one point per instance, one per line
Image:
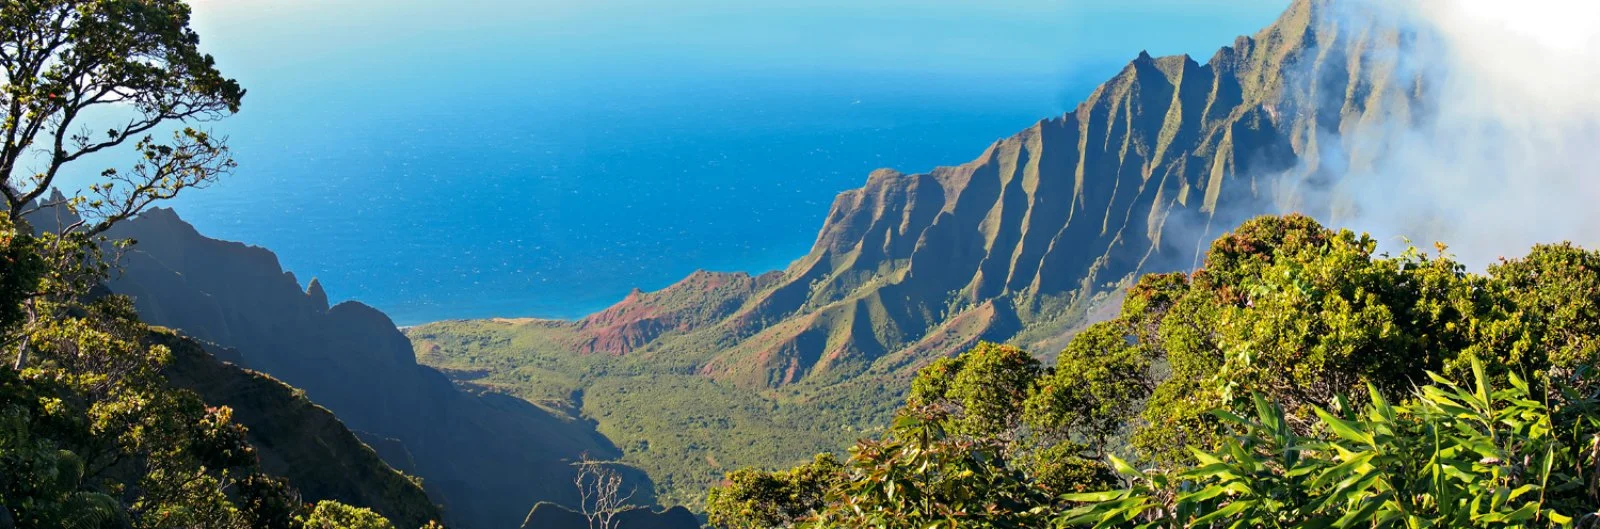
(298, 440)
(488, 457)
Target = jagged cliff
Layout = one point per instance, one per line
(487, 457)
(1015, 243)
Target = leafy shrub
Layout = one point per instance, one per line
(1448, 457)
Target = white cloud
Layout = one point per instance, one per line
(1510, 155)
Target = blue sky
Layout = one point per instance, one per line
(449, 44)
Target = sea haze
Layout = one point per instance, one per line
(499, 160)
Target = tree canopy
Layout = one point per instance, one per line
(1299, 378)
(84, 76)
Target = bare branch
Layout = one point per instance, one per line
(62, 57)
(600, 496)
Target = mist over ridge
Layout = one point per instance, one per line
(1502, 154)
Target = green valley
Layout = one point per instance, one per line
(681, 429)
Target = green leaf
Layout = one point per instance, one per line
(1345, 429)
(1232, 508)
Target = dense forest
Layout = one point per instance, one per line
(1298, 379)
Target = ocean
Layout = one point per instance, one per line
(558, 204)
(442, 160)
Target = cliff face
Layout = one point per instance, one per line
(487, 457)
(1014, 245)
(298, 440)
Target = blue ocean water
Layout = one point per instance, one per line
(557, 204)
(481, 158)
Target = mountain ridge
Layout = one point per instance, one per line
(1022, 244)
(353, 360)
(998, 232)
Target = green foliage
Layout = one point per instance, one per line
(91, 434)
(1067, 466)
(1096, 383)
(1289, 309)
(1451, 457)
(1551, 300)
(754, 499)
(682, 429)
(335, 515)
(920, 476)
(102, 435)
(960, 453)
(24, 268)
(44, 485)
(986, 387)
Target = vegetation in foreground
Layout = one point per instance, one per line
(1299, 379)
(91, 433)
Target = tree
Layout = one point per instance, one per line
(91, 435)
(1551, 320)
(755, 499)
(83, 77)
(600, 495)
(919, 475)
(24, 268)
(961, 452)
(983, 389)
(1096, 387)
(1288, 309)
(335, 515)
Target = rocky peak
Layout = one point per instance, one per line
(319, 298)
(1015, 242)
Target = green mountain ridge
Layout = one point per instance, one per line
(1021, 245)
